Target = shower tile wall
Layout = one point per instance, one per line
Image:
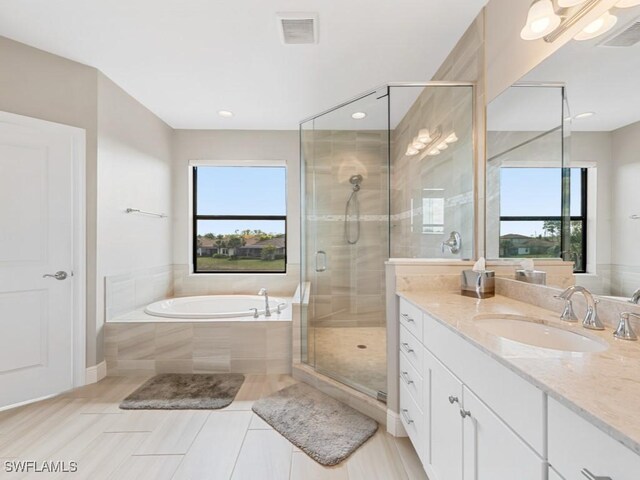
(449, 175)
(351, 291)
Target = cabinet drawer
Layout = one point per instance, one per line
(517, 402)
(412, 420)
(412, 380)
(411, 318)
(412, 349)
(574, 444)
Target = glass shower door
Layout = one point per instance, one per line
(345, 185)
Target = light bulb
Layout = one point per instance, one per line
(417, 144)
(596, 28)
(451, 138)
(225, 113)
(358, 115)
(424, 135)
(541, 20)
(411, 151)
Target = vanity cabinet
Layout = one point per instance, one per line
(575, 444)
(456, 432)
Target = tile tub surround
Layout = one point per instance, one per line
(601, 387)
(239, 346)
(124, 293)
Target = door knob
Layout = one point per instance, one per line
(61, 275)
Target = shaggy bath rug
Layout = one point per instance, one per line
(324, 428)
(177, 391)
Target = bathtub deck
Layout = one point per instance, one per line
(86, 426)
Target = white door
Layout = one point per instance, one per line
(491, 450)
(36, 240)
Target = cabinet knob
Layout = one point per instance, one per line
(465, 413)
(405, 414)
(406, 378)
(453, 399)
(407, 348)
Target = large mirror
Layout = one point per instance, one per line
(563, 162)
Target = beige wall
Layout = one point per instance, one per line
(134, 170)
(41, 85)
(233, 145)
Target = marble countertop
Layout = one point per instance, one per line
(602, 387)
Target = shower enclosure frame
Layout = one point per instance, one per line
(479, 219)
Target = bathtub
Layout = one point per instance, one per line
(215, 306)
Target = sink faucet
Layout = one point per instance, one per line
(635, 298)
(263, 292)
(591, 320)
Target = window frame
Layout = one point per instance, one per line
(195, 217)
(573, 218)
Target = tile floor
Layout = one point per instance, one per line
(86, 426)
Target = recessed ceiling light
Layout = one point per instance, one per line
(583, 115)
(225, 113)
(358, 115)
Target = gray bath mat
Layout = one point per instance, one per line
(177, 391)
(324, 428)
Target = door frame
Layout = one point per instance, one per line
(77, 136)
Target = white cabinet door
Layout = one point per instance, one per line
(575, 444)
(446, 423)
(491, 450)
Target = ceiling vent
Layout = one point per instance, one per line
(628, 37)
(298, 28)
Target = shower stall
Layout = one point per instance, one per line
(389, 174)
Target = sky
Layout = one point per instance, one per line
(241, 191)
(534, 192)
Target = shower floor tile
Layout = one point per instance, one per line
(355, 354)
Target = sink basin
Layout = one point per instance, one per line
(538, 333)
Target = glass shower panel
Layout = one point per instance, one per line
(432, 171)
(345, 163)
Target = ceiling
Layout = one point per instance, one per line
(603, 80)
(187, 59)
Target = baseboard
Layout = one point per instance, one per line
(96, 373)
(394, 424)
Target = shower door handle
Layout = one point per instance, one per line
(321, 261)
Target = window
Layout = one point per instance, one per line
(433, 210)
(531, 214)
(239, 219)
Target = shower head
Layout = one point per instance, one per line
(355, 179)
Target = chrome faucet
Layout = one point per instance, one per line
(635, 298)
(453, 243)
(263, 293)
(624, 330)
(591, 320)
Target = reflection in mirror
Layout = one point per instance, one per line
(601, 160)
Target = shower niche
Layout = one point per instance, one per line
(389, 174)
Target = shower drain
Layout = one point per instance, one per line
(362, 346)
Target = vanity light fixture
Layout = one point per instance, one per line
(225, 113)
(541, 20)
(358, 115)
(603, 24)
(627, 3)
(569, 3)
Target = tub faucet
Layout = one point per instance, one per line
(635, 298)
(591, 320)
(263, 292)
